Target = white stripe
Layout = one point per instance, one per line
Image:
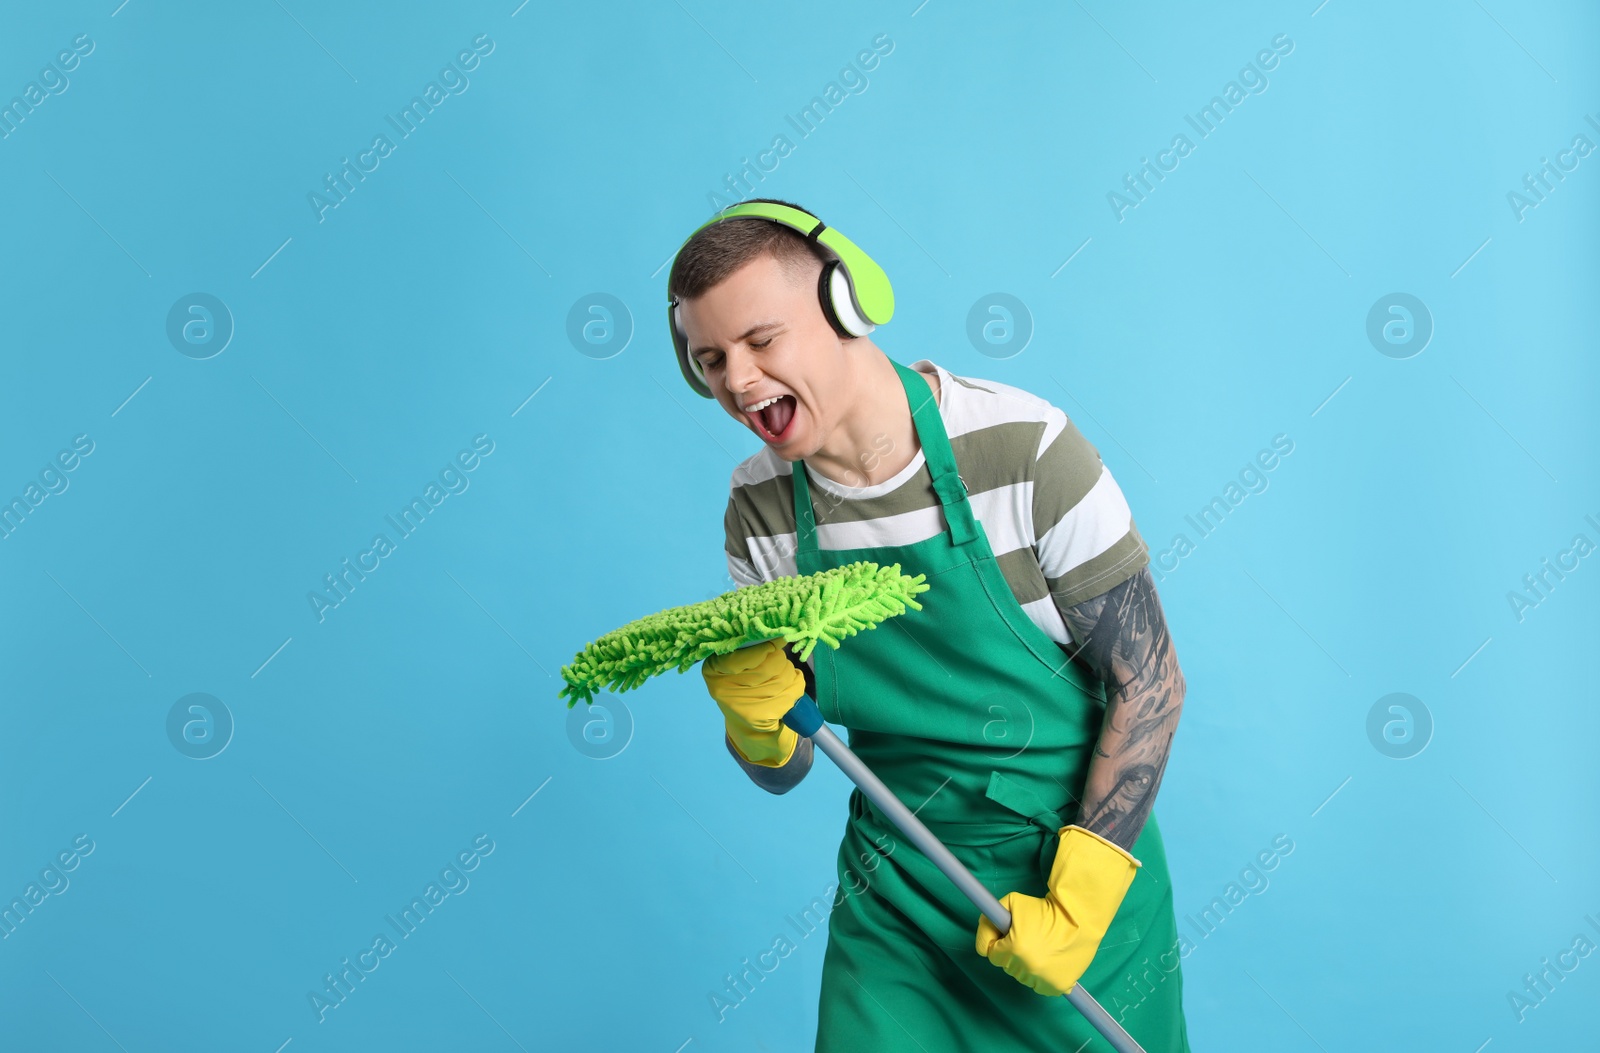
(773, 557)
(1093, 525)
(866, 493)
(1044, 614)
(1006, 524)
(758, 468)
(742, 571)
(968, 410)
(907, 528)
(1006, 513)
(1054, 426)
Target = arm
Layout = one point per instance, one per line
(1054, 938)
(786, 778)
(1086, 537)
(1122, 636)
(740, 569)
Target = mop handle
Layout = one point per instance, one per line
(806, 719)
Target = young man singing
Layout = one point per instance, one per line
(1025, 713)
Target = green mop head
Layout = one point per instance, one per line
(826, 606)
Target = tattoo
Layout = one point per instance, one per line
(1123, 638)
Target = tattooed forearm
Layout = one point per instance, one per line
(1122, 636)
(1120, 816)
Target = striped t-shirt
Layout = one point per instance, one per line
(1057, 522)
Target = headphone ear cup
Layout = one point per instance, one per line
(825, 296)
(840, 304)
(687, 362)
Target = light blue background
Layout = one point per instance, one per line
(374, 744)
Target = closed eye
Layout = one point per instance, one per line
(711, 359)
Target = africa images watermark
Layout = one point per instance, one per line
(1207, 119)
(454, 481)
(1252, 881)
(337, 186)
(1252, 480)
(1536, 987)
(52, 80)
(53, 881)
(813, 917)
(740, 184)
(1538, 586)
(453, 881)
(52, 480)
(1537, 182)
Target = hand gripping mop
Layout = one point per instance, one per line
(804, 609)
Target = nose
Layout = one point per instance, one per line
(741, 371)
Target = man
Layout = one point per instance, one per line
(1026, 712)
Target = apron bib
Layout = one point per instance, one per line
(979, 723)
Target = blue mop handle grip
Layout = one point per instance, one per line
(805, 718)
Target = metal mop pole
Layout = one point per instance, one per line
(806, 719)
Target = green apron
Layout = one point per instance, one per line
(980, 723)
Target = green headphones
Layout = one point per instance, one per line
(854, 291)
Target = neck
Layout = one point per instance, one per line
(875, 438)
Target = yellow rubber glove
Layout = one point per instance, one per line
(754, 686)
(1053, 940)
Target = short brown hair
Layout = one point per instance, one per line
(722, 248)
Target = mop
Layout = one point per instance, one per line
(825, 607)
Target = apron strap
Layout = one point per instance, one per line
(805, 522)
(948, 485)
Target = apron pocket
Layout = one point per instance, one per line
(1125, 929)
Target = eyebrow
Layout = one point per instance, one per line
(759, 327)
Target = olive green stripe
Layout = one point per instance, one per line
(737, 542)
(1020, 568)
(998, 455)
(1095, 576)
(966, 383)
(1068, 469)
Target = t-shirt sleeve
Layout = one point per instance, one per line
(742, 569)
(737, 545)
(1087, 540)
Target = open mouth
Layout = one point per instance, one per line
(773, 418)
